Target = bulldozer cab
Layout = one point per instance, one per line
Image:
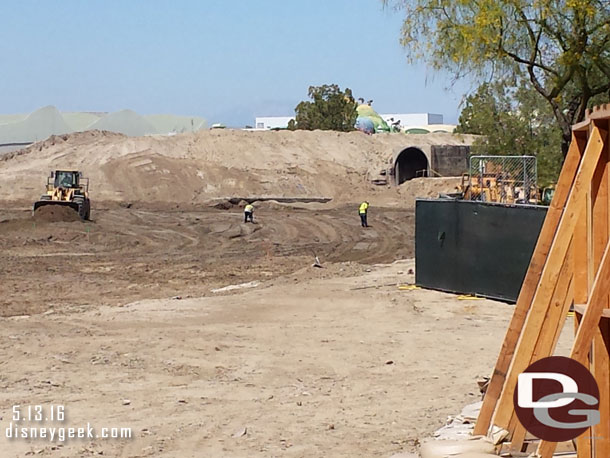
(65, 179)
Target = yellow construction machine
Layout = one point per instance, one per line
(492, 187)
(67, 188)
(473, 189)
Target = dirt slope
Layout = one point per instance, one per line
(212, 163)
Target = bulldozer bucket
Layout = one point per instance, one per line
(63, 203)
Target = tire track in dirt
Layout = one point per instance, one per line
(128, 254)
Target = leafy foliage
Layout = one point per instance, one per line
(330, 109)
(561, 46)
(514, 120)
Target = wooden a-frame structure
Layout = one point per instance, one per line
(570, 266)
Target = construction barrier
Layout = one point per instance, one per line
(475, 247)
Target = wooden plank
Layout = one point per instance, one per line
(583, 446)
(563, 448)
(600, 368)
(530, 283)
(581, 295)
(595, 304)
(580, 308)
(583, 442)
(568, 302)
(555, 316)
(599, 112)
(547, 340)
(599, 360)
(581, 126)
(550, 273)
(518, 438)
(607, 179)
(581, 265)
(588, 325)
(591, 268)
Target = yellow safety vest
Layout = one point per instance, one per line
(248, 208)
(363, 207)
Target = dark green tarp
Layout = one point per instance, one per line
(475, 247)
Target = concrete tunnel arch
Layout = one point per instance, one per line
(410, 163)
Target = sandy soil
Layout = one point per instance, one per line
(318, 363)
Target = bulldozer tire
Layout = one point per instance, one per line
(81, 207)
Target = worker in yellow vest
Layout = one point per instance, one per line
(364, 206)
(249, 213)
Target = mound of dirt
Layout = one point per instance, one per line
(210, 164)
(269, 205)
(426, 188)
(221, 204)
(56, 214)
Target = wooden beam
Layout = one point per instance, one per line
(583, 442)
(555, 316)
(518, 438)
(581, 126)
(599, 112)
(580, 309)
(589, 325)
(568, 302)
(557, 253)
(599, 360)
(530, 283)
(600, 367)
(547, 340)
(595, 306)
(581, 264)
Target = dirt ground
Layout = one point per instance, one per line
(125, 254)
(117, 320)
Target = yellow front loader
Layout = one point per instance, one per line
(67, 188)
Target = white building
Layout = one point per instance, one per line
(272, 122)
(407, 120)
(413, 119)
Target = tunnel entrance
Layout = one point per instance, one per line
(410, 163)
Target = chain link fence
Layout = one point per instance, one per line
(505, 179)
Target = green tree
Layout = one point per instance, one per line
(561, 46)
(513, 119)
(330, 108)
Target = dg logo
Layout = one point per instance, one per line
(557, 399)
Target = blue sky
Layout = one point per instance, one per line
(227, 61)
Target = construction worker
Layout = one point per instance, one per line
(249, 213)
(364, 206)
